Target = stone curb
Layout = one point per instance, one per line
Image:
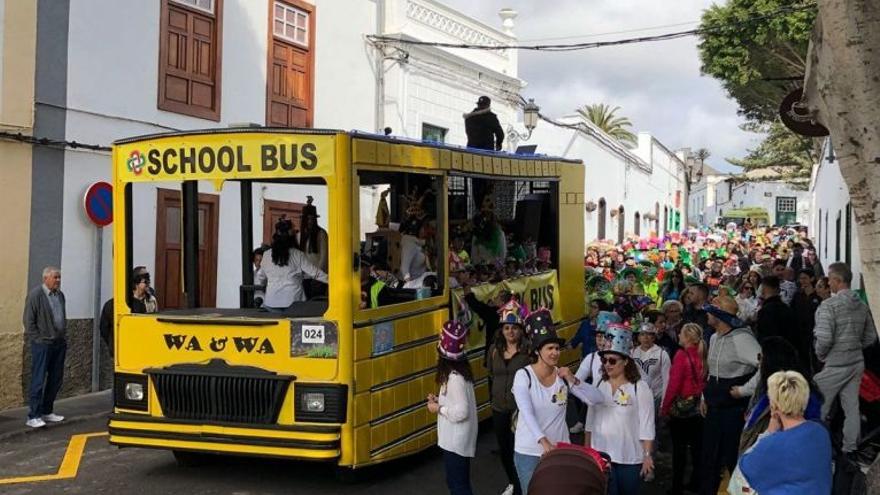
(26, 430)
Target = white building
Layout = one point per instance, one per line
(107, 70)
(628, 192)
(718, 193)
(701, 201)
(831, 222)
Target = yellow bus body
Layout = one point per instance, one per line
(385, 415)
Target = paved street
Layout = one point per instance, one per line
(107, 469)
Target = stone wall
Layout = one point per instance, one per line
(16, 367)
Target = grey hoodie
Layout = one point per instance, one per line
(733, 354)
(844, 326)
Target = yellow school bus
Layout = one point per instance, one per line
(330, 378)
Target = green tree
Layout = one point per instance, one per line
(752, 53)
(603, 116)
(783, 152)
(757, 49)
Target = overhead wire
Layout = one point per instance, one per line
(595, 44)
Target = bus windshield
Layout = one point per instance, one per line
(235, 247)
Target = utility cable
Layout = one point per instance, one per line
(597, 44)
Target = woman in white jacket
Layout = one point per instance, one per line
(456, 408)
(624, 426)
(541, 392)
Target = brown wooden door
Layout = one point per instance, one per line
(169, 249)
(274, 210)
(290, 86)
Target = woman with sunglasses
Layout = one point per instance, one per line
(747, 301)
(624, 426)
(541, 392)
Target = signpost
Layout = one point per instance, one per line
(98, 203)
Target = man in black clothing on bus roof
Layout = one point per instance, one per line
(482, 127)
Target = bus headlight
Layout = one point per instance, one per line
(313, 402)
(134, 391)
(130, 391)
(320, 403)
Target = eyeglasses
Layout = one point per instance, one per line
(611, 361)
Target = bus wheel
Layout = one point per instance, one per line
(186, 458)
(347, 475)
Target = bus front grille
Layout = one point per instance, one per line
(220, 393)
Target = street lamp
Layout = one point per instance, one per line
(531, 112)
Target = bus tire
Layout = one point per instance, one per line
(186, 458)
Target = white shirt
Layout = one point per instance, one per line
(618, 426)
(457, 418)
(654, 364)
(591, 367)
(542, 410)
(318, 259)
(413, 262)
(284, 283)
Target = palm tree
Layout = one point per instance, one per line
(602, 116)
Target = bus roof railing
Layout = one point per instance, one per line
(353, 134)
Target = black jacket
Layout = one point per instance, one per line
(489, 315)
(776, 319)
(483, 130)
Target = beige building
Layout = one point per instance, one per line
(18, 27)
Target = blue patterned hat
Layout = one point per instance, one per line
(618, 339)
(606, 318)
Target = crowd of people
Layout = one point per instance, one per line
(733, 348)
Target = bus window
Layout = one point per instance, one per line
(227, 274)
(401, 222)
(501, 228)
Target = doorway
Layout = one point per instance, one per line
(275, 210)
(169, 249)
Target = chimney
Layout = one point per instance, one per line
(507, 16)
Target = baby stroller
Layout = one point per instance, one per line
(572, 470)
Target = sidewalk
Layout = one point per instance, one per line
(74, 410)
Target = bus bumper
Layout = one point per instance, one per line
(307, 442)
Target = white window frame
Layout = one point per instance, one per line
(783, 204)
(297, 12)
(193, 4)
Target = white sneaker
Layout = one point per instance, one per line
(577, 428)
(36, 423)
(508, 490)
(53, 418)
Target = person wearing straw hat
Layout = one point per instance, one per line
(541, 391)
(455, 407)
(623, 427)
(732, 360)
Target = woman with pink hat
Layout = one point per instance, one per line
(455, 407)
(624, 426)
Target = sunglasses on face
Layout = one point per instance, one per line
(612, 361)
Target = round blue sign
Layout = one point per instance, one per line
(98, 202)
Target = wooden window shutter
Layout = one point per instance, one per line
(189, 61)
(290, 84)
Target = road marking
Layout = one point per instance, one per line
(69, 465)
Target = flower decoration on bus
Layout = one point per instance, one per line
(136, 162)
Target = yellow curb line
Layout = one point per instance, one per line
(69, 465)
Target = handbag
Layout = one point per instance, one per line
(686, 406)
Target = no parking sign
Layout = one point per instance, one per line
(98, 203)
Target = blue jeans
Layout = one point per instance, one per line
(625, 479)
(47, 370)
(525, 468)
(458, 473)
